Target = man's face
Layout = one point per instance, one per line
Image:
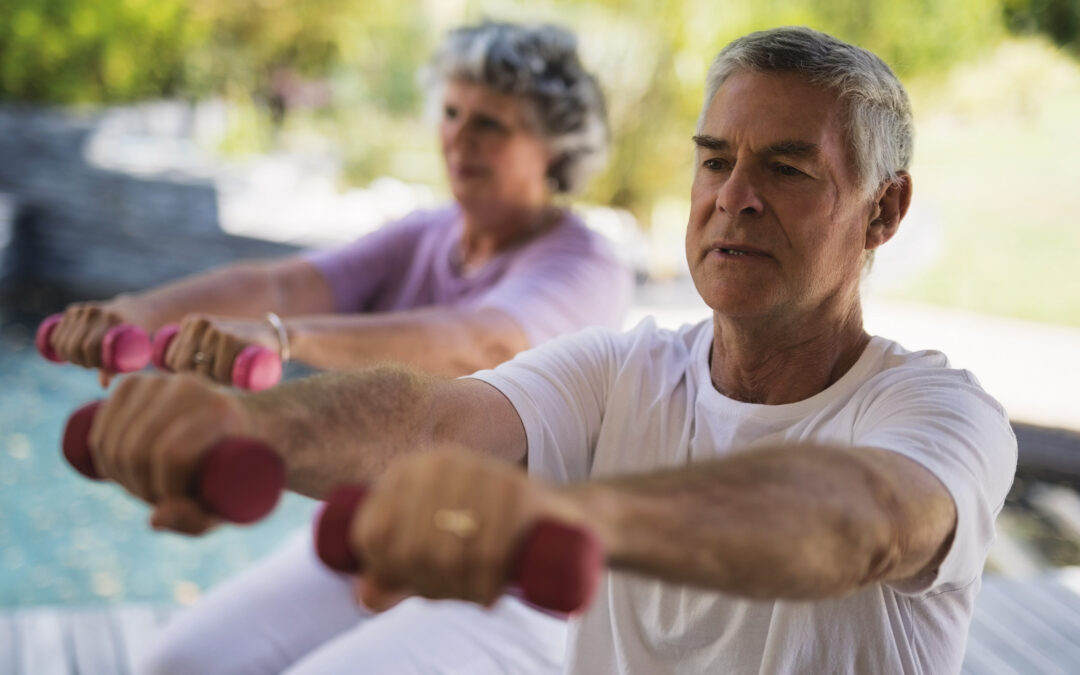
(777, 221)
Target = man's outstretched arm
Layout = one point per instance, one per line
(794, 522)
(152, 432)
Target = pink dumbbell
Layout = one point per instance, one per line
(240, 479)
(557, 566)
(255, 368)
(124, 349)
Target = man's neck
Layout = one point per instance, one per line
(757, 361)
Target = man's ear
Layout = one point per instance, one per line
(889, 209)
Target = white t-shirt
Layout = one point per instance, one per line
(599, 404)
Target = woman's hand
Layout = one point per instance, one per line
(208, 345)
(151, 434)
(79, 335)
(446, 524)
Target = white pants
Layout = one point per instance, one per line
(291, 614)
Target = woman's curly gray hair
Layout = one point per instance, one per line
(880, 131)
(540, 64)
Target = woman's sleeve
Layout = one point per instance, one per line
(356, 272)
(564, 285)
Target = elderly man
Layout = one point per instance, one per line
(777, 491)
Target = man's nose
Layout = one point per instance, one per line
(738, 193)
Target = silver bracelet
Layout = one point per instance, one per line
(282, 335)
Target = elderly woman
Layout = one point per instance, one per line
(449, 291)
(776, 490)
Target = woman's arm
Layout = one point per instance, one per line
(288, 287)
(441, 341)
(250, 289)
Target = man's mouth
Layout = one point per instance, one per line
(744, 252)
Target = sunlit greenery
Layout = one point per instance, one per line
(651, 55)
(991, 146)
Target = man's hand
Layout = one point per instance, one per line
(446, 524)
(151, 434)
(209, 345)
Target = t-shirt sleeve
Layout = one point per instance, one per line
(560, 391)
(357, 271)
(564, 285)
(946, 422)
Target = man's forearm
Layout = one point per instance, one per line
(789, 522)
(347, 427)
(344, 427)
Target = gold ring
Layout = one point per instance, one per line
(199, 357)
(459, 522)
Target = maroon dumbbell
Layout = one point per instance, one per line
(557, 566)
(239, 479)
(255, 368)
(124, 349)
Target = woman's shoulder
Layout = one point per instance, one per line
(570, 237)
(436, 217)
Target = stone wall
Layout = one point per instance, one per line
(95, 232)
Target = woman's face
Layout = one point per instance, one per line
(493, 156)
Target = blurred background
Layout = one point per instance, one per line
(142, 140)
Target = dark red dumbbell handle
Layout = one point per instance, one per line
(255, 368)
(239, 479)
(557, 566)
(124, 348)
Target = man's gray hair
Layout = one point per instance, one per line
(880, 131)
(540, 64)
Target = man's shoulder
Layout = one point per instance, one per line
(926, 375)
(647, 343)
(644, 343)
(893, 362)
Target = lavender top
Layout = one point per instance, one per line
(560, 282)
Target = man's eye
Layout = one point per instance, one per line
(449, 112)
(714, 164)
(788, 170)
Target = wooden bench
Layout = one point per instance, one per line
(1020, 628)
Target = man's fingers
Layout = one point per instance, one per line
(185, 516)
(378, 595)
(180, 447)
(111, 426)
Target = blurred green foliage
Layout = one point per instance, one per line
(73, 51)
(348, 67)
(1058, 19)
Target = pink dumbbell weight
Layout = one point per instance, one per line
(239, 479)
(557, 566)
(124, 349)
(255, 368)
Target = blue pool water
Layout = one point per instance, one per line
(66, 540)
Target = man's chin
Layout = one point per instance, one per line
(734, 306)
